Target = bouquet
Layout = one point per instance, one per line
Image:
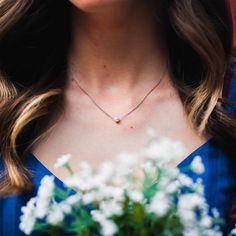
(139, 194)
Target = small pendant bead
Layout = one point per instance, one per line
(117, 120)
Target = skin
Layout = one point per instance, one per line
(117, 54)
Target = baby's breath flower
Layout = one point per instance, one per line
(172, 187)
(106, 171)
(97, 215)
(185, 180)
(73, 181)
(42, 207)
(111, 208)
(164, 151)
(191, 201)
(62, 161)
(55, 216)
(88, 198)
(135, 195)
(46, 186)
(148, 167)
(45, 193)
(65, 207)
(108, 227)
(192, 231)
(215, 213)
(159, 205)
(233, 231)
(28, 218)
(206, 221)
(197, 165)
(74, 199)
(85, 169)
(187, 206)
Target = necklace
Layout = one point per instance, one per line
(118, 119)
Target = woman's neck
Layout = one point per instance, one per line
(116, 49)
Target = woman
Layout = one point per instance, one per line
(69, 67)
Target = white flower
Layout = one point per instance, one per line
(73, 181)
(148, 167)
(62, 161)
(109, 192)
(65, 207)
(172, 187)
(191, 201)
(42, 208)
(164, 150)
(45, 193)
(192, 232)
(46, 186)
(206, 221)
(97, 215)
(74, 199)
(187, 205)
(198, 186)
(85, 170)
(233, 231)
(185, 180)
(160, 204)
(188, 217)
(172, 172)
(89, 197)
(110, 208)
(197, 165)
(215, 213)
(28, 219)
(118, 193)
(56, 216)
(136, 196)
(106, 171)
(108, 227)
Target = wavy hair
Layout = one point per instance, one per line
(34, 43)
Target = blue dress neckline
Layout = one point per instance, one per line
(32, 157)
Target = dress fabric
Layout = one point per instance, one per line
(219, 181)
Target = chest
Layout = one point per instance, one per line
(88, 134)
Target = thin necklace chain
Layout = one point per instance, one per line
(118, 119)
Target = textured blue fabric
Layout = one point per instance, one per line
(219, 182)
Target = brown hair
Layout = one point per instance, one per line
(34, 42)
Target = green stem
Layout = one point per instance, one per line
(67, 166)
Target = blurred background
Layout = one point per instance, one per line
(233, 5)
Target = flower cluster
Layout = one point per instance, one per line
(138, 194)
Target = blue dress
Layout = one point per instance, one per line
(219, 182)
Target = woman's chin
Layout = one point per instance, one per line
(96, 5)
